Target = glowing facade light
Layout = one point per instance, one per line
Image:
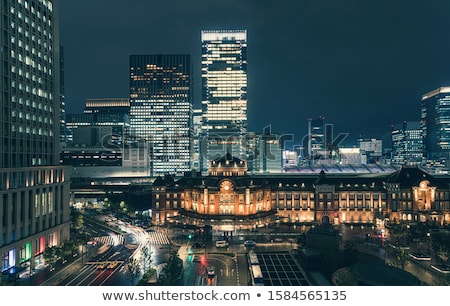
(224, 91)
(161, 109)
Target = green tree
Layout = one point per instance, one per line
(172, 271)
(418, 233)
(132, 270)
(399, 232)
(51, 255)
(146, 258)
(343, 277)
(67, 248)
(441, 245)
(401, 256)
(77, 219)
(149, 278)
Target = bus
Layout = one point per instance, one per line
(252, 258)
(257, 276)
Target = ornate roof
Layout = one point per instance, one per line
(228, 161)
(412, 176)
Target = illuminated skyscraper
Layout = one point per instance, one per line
(224, 93)
(316, 138)
(161, 109)
(407, 144)
(62, 107)
(435, 125)
(34, 188)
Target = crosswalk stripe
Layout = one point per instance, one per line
(154, 238)
(110, 239)
(158, 238)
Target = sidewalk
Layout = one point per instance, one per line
(42, 276)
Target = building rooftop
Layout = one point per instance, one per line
(335, 168)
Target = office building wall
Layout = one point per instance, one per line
(224, 93)
(34, 188)
(161, 109)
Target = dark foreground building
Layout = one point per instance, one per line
(34, 188)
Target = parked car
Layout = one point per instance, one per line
(249, 243)
(222, 244)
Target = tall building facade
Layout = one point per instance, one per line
(224, 93)
(161, 109)
(407, 144)
(197, 132)
(316, 142)
(34, 188)
(62, 106)
(435, 125)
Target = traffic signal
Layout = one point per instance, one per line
(190, 236)
(203, 260)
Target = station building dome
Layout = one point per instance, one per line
(227, 165)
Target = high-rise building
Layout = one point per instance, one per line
(316, 142)
(435, 125)
(34, 188)
(62, 107)
(224, 93)
(196, 131)
(161, 109)
(407, 144)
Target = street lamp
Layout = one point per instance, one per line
(428, 238)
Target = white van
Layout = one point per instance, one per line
(222, 244)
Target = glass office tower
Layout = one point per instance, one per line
(316, 138)
(34, 188)
(407, 144)
(224, 94)
(435, 125)
(161, 109)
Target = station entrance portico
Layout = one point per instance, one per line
(221, 227)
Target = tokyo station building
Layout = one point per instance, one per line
(229, 196)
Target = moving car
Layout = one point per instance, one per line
(113, 264)
(211, 271)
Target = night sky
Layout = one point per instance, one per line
(362, 64)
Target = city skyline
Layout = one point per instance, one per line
(363, 66)
(110, 196)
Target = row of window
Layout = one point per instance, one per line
(26, 179)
